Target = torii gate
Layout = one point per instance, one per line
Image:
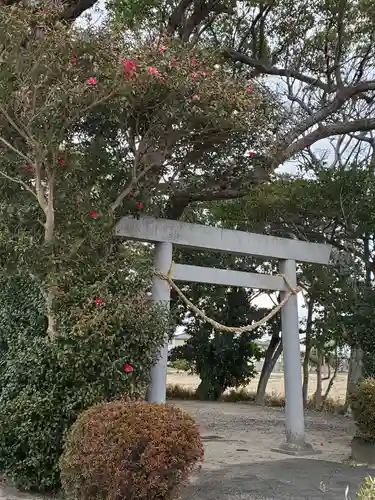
(165, 233)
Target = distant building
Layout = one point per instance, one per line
(178, 340)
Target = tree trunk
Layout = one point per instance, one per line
(308, 347)
(270, 359)
(49, 236)
(306, 372)
(355, 372)
(208, 392)
(318, 394)
(330, 383)
(325, 364)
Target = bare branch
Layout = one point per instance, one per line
(339, 45)
(325, 131)
(267, 69)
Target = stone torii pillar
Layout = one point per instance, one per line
(161, 294)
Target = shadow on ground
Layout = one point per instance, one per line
(286, 479)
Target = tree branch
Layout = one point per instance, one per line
(18, 181)
(76, 8)
(263, 67)
(267, 69)
(15, 150)
(340, 35)
(323, 132)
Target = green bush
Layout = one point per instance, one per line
(45, 384)
(362, 403)
(180, 365)
(367, 489)
(129, 451)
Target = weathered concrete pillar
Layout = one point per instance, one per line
(294, 413)
(160, 295)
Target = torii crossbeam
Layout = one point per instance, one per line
(165, 233)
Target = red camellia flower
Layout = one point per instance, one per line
(29, 168)
(92, 81)
(127, 368)
(250, 89)
(162, 49)
(94, 214)
(99, 301)
(153, 71)
(130, 67)
(61, 162)
(173, 62)
(251, 154)
(139, 205)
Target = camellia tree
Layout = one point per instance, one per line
(89, 128)
(92, 128)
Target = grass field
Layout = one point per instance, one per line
(275, 384)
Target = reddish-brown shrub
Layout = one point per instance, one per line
(129, 450)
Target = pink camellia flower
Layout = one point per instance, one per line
(196, 98)
(153, 71)
(194, 74)
(130, 66)
(251, 154)
(173, 62)
(194, 62)
(127, 368)
(99, 302)
(92, 81)
(250, 89)
(162, 49)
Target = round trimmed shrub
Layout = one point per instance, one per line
(362, 403)
(130, 450)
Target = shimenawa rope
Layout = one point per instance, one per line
(234, 329)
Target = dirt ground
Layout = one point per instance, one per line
(239, 463)
(275, 384)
